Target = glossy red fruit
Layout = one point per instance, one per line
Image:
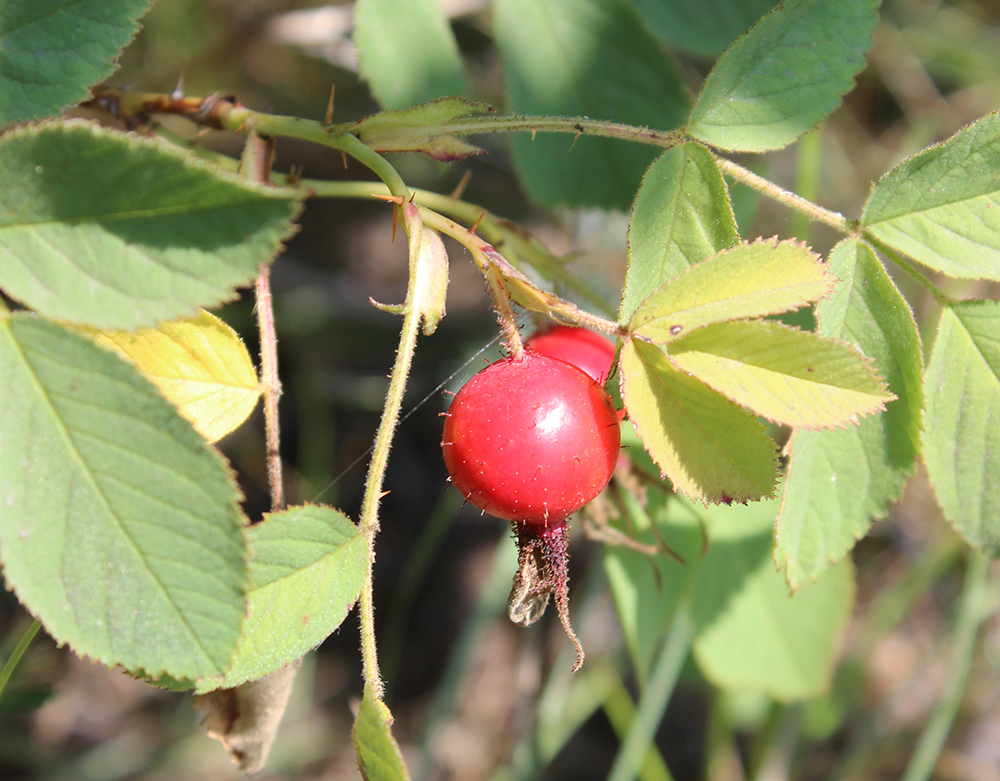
(531, 440)
(578, 346)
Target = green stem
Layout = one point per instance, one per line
(239, 119)
(970, 615)
(492, 228)
(482, 252)
(745, 176)
(369, 523)
(15, 657)
(578, 126)
(654, 700)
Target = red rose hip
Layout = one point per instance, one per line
(578, 346)
(531, 440)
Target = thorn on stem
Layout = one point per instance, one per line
(328, 117)
(476, 225)
(456, 194)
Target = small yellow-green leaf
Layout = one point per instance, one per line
(200, 365)
(376, 750)
(765, 277)
(707, 446)
(786, 375)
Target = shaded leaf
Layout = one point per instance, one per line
(681, 215)
(118, 231)
(750, 280)
(52, 51)
(785, 75)
(941, 206)
(962, 421)
(114, 509)
(702, 26)
(306, 569)
(584, 58)
(406, 51)
(426, 128)
(838, 481)
(708, 447)
(200, 365)
(785, 375)
(377, 752)
(752, 635)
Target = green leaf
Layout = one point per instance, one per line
(121, 529)
(51, 51)
(118, 231)
(306, 568)
(702, 26)
(962, 434)
(708, 447)
(785, 375)
(751, 634)
(838, 481)
(585, 58)
(750, 280)
(200, 365)
(941, 206)
(785, 75)
(407, 51)
(377, 752)
(681, 215)
(429, 128)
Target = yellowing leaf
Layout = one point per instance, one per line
(199, 365)
(707, 446)
(750, 280)
(785, 375)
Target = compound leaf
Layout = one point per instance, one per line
(306, 569)
(942, 206)
(121, 529)
(407, 51)
(681, 215)
(785, 75)
(585, 58)
(52, 51)
(117, 231)
(752, 635)
(707, 446)
(839, 480)
(750, 280)
(786, 375)
(962, 434)
(200, 365)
